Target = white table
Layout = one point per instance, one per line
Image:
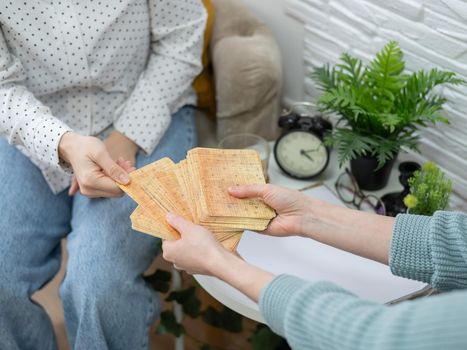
(311, 260)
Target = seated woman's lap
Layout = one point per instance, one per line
(101, 228)
(106, 301)
(33, 220)
(107, 258)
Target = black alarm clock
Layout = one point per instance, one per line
(300, 151)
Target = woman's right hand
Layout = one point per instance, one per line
(291, 206)
(94, 168)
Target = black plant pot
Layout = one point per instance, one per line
(363, 168)
(394, 201)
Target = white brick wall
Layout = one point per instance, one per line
(432, 33)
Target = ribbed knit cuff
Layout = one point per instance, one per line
(449, 250)
(274, 300)
(410, 252)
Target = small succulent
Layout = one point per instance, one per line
(429, 190)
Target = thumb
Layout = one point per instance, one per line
(74, 188)
(112, 169)
(249, 191)
(180, 224)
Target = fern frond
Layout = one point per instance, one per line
(350, 144)
(420, 84)
(337, 98)
(340, 99)
(390, 121)
(326, 77)
(385, 150)
(351, 70)
(427, 81)
(385, 74)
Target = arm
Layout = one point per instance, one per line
(357, 232)
(322, 315)
(361, 233)
(177, 32)
(431, 249)
(24, 120)
(428, 249)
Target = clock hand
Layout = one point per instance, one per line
(304, 153)
(311, 150)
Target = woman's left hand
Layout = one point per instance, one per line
(197, 251)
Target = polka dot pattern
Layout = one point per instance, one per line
(87, 65)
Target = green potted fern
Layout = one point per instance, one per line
(380, 107)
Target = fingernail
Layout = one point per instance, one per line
(170, 216)
(124, 178)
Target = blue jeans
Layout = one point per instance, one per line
(106, 302)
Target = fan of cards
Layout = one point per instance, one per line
(197, 189)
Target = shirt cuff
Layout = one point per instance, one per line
(47, 136)
(410, 253)
(274, 300)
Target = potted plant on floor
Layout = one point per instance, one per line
(380, 107)
(429, 190)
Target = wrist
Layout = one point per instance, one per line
(221, 262)
(310, 217)
(66, 144)
(248, 279)
(124, 139)
(318, 217)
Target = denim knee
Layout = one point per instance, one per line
(15, 283)
(94, 285)
(11, 293)
(14, 298)
(105, 301)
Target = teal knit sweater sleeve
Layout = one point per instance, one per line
(324, 316)
(431, 249)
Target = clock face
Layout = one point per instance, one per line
(301, 154)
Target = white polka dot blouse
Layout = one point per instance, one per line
(87, 65)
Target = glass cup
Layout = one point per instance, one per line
(249, 141)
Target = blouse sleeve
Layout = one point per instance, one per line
(24, 120)
(177, 32)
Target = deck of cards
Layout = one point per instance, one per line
(197, 189)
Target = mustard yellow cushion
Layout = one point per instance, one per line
(204, 83)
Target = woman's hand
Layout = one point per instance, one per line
(197, 251)
(364, 234)
(95, 170)
(291, 206)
